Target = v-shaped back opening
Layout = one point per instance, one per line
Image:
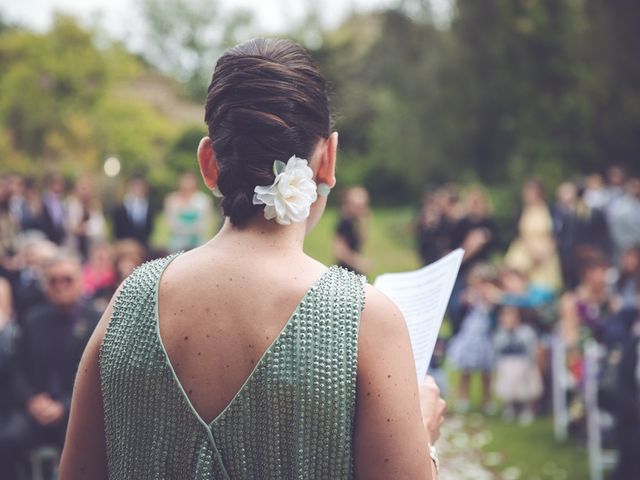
(256, 367)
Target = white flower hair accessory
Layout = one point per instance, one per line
(288, 199)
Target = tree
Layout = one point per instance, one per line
(611, 47)
(60, 109)
(185, 36)
(49, 83)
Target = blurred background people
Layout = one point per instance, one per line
(583, 309)
(9, 226)
(595, 192)
(25, 271)
(129, 254)
(616, 178)
(25, 202)
(624, 217)
(189, 214)
(518, 383)
(476, 231)
(85, 216)
(628, 282)
(439, 215)
(134, 218)
(432, 243)
(628, 409)
(9, 416)
(533, 252)
(53, 337)
(351, 232)
(99, 273)
(53, 216)
(471, 350)
(472, 229)
(576, 224)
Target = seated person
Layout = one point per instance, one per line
(8, 337)
(54, 335)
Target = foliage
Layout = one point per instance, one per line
(58, 111)
(184, 36)
(505, 90)
(182, 153)
(48, 83)
(513, 88)
(69, 101)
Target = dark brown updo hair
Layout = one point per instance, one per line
(267, 101)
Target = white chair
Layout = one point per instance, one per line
(601, 459)
(560, 382)
(38, 458)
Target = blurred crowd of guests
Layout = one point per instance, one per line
(571, 273)
(62, 256)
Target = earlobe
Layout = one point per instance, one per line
(327, 170)
(208, 162)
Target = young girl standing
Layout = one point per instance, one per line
(518, 382)
(471, 349)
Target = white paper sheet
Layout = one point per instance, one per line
(422, 297)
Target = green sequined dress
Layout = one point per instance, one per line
(292, 419)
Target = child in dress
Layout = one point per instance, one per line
(471, 349)
(518, 382)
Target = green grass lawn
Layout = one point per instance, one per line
(535, 452)
(389, 244)
(531, 449)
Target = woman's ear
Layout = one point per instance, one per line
(327, 168)
(207, 162)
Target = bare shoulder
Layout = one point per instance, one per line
(383, 330)
(380, 314)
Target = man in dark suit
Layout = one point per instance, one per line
(133, 219)
(53, 219)
(53, 338)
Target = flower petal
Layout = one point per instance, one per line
(278, 167)
(290, 196)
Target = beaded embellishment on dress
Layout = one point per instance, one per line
(293, 417)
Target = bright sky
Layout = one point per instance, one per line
(121, 17)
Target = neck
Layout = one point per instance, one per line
(261, 235)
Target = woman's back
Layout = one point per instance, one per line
(220, 310)
(252, 396)
(180, 372)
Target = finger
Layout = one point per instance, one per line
(442, 406)
(431, 388)
(429, 381)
